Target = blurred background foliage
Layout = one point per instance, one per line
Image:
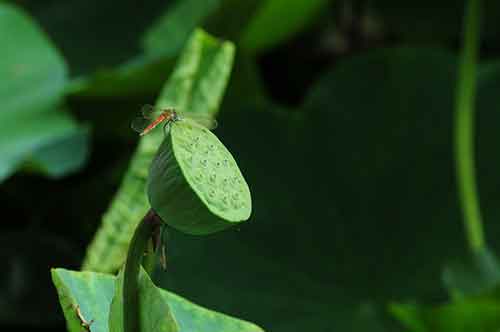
(340, 114)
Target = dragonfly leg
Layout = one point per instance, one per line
(166, 127)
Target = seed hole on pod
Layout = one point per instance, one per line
(199, 176)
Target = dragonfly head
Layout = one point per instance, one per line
(175, 116)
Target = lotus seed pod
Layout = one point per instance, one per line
(194, 183)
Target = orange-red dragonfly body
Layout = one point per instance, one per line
(152, 117)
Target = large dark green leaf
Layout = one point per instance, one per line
(344, 188)
(472, 280)
(33, 128)
(360, 183)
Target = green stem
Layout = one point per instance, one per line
(464, 129)
(135, 255)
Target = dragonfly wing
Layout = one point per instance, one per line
(205, 120)
(140, 123)
(151, 112)
(148, 111)
(208, 123)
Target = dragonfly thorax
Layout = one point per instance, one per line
(174, 116)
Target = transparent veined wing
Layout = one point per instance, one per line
(147, 117)
(140, 123)
(151, 112)
(205, 120)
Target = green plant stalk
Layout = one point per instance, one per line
(138, 245)
(464, 129)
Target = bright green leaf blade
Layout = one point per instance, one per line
(171, 30)
(154, 310)
(474, 276)
(52, 159)
(463, 316)
(278, 20)
(192, 317)
(33, 75)
(92, 292)
(196, 85)
(200, 78)
(409, 315)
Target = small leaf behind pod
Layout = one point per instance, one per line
(194, 183)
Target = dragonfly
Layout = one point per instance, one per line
(151, 117)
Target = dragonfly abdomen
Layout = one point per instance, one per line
(153, 124)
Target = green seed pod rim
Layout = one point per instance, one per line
(211, 171)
